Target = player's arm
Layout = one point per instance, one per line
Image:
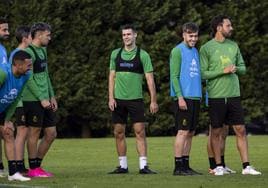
(151, 86)
(111, 81)
(2, 77)
(11, 109)
(240, 64)
(53, 101)
(175, 70)
(33, 87)
(149, 76)
(204, 62)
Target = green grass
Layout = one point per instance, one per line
(85, 162)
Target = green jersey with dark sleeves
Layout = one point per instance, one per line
(128, 85)
(214, 57)
(39, 85)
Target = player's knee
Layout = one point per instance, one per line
(184, 133)
(8, 135)
(119, 134)
(140, 133)
(240, 131)
(50, 136)
(216, 133)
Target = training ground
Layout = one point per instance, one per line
(85, 162)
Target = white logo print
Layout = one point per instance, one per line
(4, 61)
(10, 97)
(193, 68)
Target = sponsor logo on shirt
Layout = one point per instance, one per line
(128, 65)
(10, 97)
(4, 60)
(193, 69)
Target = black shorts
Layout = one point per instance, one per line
(20, 117)
(187, 119)
(37, 116)
(226, 111)
(2, 118)
(135, 109)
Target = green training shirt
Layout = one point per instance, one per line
(39, 85)
(128, 85)
(214, 57)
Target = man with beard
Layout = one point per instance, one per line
(39, 102)
(4, 34)
(221, 64)
(128, 65)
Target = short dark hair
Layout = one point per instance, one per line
(22, 31)
(40, 26)
(20, 55)
(3, 20)
(129, 26)
(217, 21)
(190, 27)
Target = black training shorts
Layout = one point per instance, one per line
(133, 108)
(37, 116)
(2, 118)
(227, 111)
(187, 119)
(20, 117)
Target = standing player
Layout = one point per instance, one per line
(39, 102)
(221, 64)
(4, 34)
(127, 67)
(23, 36)
(185, 84)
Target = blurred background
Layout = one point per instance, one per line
(86, 31)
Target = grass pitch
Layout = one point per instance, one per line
(85, 162)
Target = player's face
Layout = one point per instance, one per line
(226, 28)
(26, 66)
(4, 33)
(190, 38)
(28, 40)
(129, 37)
(44, 37)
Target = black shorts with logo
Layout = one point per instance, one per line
(20, 117)
(37, 116)
(187, 119)
(135, 109)
(227, 111)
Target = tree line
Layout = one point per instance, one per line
(86, 31)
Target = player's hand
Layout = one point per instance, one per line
(112, 104)
(8, 125)
(153, 107)
(229, 69)
(54, 104)
(46, 104)
(182, 104)
(233, 69)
